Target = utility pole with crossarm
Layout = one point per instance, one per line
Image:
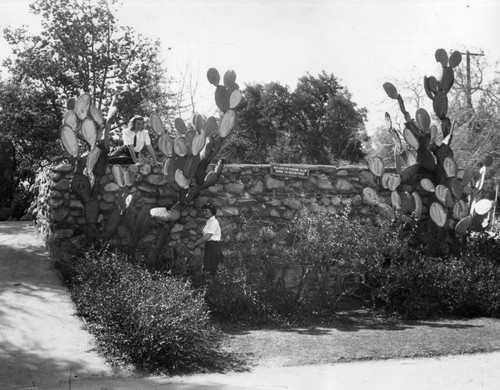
(469, 89)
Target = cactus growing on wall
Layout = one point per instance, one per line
(457, 206)
(190, 149)
(85, 137)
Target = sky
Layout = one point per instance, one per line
(363, 43)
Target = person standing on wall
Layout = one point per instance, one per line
(211, 236)
(135, 137)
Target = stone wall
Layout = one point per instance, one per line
(271, 191)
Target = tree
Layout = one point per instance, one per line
(317, 123)
(328, 125)
(81, 49)
(263, 115)
(476, 130)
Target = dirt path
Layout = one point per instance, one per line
(42, 342)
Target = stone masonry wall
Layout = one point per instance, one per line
(59, 214)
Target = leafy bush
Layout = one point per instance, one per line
(338, 258)
(256, 282)
(419, 286)
(151, 320)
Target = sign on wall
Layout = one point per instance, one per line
(289, 170)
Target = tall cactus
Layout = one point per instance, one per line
(190, 149)
(83, 139)
(457, 206)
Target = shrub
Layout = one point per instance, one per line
(154, 321)
(420, 287)
(317, 246)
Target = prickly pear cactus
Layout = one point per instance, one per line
(426, 161)
(83, 139)
(189, 148)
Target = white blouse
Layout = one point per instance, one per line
(141, 140)
(213, 227)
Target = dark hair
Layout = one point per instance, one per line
(211, 207)
(131, 123)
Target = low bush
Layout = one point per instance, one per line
(343, 263)
(418, 286)
(284, 272)
(154, 321)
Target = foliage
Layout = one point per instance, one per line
(81, 49)
(317, 123)
(420, 286)
(29, 138)
(151, 320)
(476, 134)
(256, 281)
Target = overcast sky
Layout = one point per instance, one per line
(362, 42)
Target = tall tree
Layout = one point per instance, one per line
(328, 124)
(316, 123)
(81, 49)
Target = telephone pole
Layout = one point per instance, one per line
(468, 87)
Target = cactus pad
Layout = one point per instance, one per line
(69, 141)
(181, 180)
(235, 99)
(156, 123)
(423, 120)
(198, 122)
(70, 119)
(198, 143)
(162, 214)
(180, 146)
(442, 57)
(450, 167)
(166, 144)
(180, 125)
(455, 59)
(210, 126)
(390, 90)
(118, 175)
(213, 76)
(92, 158)
(376, 166)
(82, 105)
(438, 214)
(89, 131)
(222, 98)
(227, 123)
(427, 185)
(395, 200)
(483, 207)
(96, 115)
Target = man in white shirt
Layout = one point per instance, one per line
(212, 239)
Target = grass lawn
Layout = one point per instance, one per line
(363, 336)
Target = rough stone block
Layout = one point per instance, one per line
(343, 185)
(234, 188)
(272, 183)
(111, 187)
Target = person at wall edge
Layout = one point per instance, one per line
(211, 236)
(135, 137)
